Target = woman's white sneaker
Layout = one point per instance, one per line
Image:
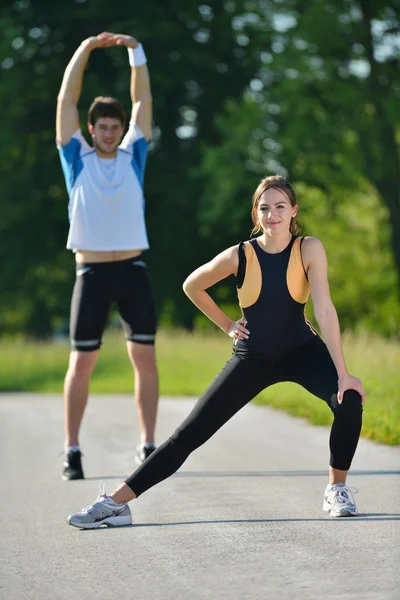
(339, 500)
(103, 512)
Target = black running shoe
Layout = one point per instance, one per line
(143, 452)
(72, 465)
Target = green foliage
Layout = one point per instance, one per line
(241, 89)
(351, 223)
(188, 363)
(361, 270)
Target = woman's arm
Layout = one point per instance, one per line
(316, 265)
(206, 276)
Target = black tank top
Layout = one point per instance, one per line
(273, 290)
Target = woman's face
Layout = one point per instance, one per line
(274, 211)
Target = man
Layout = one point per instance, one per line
(107, 234)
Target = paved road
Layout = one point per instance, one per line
(241, 520)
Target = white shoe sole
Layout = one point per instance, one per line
(109, 522)
(346, 512)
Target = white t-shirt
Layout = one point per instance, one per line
(106, 202)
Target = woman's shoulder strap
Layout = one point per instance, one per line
(241, 272)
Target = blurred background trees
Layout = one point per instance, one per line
(242, 89)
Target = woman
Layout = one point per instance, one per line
(273, 342)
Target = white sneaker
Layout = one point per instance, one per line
(103, 512)
(339, 500)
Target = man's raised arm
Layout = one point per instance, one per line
(67, 120)
(142, 107)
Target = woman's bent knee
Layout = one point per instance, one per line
(351, 404)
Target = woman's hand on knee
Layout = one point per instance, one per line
(348, 382)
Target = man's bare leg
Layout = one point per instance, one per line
(143, 358)
(76, 392)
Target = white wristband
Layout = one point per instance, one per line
(137, 57)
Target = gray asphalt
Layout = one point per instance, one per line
(242, 519)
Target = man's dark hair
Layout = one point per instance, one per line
(103, 106)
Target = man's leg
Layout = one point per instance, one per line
(89, 309)
(76, 392)
(138, 316)
(143, 358)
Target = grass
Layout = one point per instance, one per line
(188, 363)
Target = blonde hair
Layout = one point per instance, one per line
(279, 183)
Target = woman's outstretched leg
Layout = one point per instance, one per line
(238, 383)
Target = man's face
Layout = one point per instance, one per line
(106, 135)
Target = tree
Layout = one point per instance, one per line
(241, 89)
(195, 62)
(311, 113)
(337, 83)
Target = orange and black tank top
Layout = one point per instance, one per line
(273, 291)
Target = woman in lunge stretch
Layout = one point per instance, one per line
(273, 342)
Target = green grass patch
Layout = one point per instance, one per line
(189, 362)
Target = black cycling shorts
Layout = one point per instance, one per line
(97, 286)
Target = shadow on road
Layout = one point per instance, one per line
(255, 474)
(364, 517)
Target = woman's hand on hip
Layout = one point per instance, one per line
(238, 331)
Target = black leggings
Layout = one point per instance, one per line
(240, 380)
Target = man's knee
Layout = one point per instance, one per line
(142, 355)
(81, 364)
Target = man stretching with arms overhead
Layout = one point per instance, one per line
(108, 235)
